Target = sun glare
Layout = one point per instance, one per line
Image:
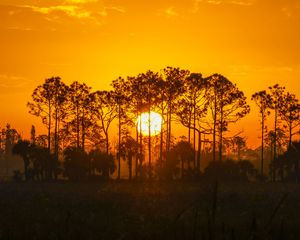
(155, 123)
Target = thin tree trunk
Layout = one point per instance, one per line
(194, 142)
(262, 144)
(290, 133)
(149, 143)
(214, 128)
(107, 142)
(275, 144)
(221, 135)
(199, 152)
(77, 126)
(119, 155)
(49, 128)
(161, 136)
(130, 166)
(137, 153)
(141, 146)
(83, 131)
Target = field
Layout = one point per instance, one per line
(152, 210)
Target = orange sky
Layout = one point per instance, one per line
(254, 43)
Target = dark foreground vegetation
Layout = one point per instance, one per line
(149, 210)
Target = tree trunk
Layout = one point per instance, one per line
(262, 144)
(77, 126)
(83, 131)
(119, 155)
(221, 134)
(149, 144)
(214, 128)
(106, 142)
(137, 153)
(290, 133)
(199, 152)
(130, 166)
(49, 128)
(275, 144)
(161, 137)
(194, 142)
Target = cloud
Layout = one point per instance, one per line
(219, 2)
(105, 10)
(21, 28)
(69, 10)
(75, 11)
(168, 12)
(80, 1)
(12, 84)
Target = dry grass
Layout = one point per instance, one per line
(154, 210)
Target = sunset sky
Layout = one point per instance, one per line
(254, 43)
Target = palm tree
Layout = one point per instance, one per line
(128, 149)
(103, 162)
(22, 148)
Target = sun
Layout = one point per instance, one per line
(155, 123)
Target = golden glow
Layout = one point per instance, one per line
(155, 123)
(101, 40)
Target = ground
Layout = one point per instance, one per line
(152, 210)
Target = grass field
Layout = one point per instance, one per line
(122, 210)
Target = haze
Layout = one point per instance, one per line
(253, 43)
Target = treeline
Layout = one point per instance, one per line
(79, 121)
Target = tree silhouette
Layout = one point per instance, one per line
(229, 171)
(227, 104)
(276, 92)
(33, 135)
(105, 111)
(128, 149)
(174, 78)
(264, 102)
(41, 162)
(79, 119)
(75, 163)
(122, 99)
(191, 108)
(103, 163)
(22, 148)
(290, 113)
(47, 101)
(182, 152)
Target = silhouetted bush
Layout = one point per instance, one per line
(75, 163)
(229, 171)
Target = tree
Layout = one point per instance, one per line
(128, 149)
(75, 163)
(264, 102)
(143, 94)
(182, 153)
(227, 104)
(41, 162)
(290, 113)
(191, 108)
(276, 93)
(105, 110)
(239, 143)
(11, 136)
(121, 96)
(22, 148)
(229, 171)
(174, 78)
(103, 163)
(47, 103)
(275, 139)
(33, 135)
(79, 119)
